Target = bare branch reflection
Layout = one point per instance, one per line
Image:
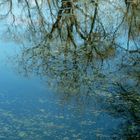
(88, 52)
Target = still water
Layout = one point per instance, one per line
(69, 70)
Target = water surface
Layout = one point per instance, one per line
(69, 70)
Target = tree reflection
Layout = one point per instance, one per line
(125, 104)
(133, 21)
(73, 45)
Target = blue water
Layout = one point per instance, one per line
(29, 109)
(66, 95)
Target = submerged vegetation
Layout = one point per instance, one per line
(88, 52)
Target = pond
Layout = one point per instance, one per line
(69, 70)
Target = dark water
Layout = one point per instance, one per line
(69, 70)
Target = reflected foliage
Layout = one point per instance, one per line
(125, 104)
(79, 50)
